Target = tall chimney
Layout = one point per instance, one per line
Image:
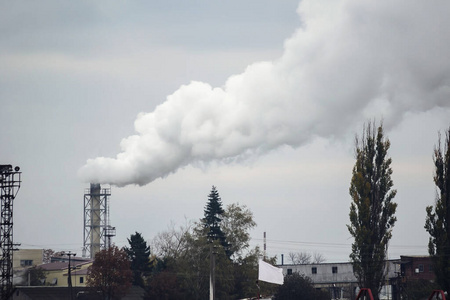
(96, 220)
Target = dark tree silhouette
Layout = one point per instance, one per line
(110, 273)
(298, 286)
(139, 254)
(438, 221)
(372, 209)
(213, 218)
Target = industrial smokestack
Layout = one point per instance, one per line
(97, 230)
(95, 219)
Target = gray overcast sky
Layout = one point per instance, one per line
(259, 98)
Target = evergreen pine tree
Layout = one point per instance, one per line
(213, 218)
(372, 209)
(139, 254)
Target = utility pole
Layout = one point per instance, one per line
(69, 278)
(259, 290)
(212, 273)
(264, 252)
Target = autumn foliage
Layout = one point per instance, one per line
(110, 273)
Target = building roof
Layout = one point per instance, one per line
(406, 259)
(325, 263)
(54, 266)
(78, 272)
(62, 265)
(66, 258)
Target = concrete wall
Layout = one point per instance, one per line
(36, 257)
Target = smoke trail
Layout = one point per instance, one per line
(350, 60)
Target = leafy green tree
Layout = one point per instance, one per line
(36, 276)
(183, 258)
(438, 221)
(214, 214)
(299, 287)
(372, 209)
(110, 273)
(236, 223)
(139, 254)
(164, 285)
(195, 267)
(246, 275)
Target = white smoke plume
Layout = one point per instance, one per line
(350, 60)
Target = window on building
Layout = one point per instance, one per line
(334, 270)
(314, 270)
(289, 271)
(26, 262)
(81, 279)
(430, 268)
(420, 268)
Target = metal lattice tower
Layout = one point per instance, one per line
(109, 233)
(97, 230)
(9, 186)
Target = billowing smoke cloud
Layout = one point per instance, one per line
(351, 60)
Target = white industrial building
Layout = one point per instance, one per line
(338, 278)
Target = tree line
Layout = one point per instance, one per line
(372, 213)
(180, 265)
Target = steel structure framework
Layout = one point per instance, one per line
(96, 220)
(109, 233)
(9, 186)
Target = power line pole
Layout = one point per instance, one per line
(69, 278)
(9, 186)
(212, 273)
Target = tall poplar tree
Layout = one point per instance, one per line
(437, 222)
(372, 209)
